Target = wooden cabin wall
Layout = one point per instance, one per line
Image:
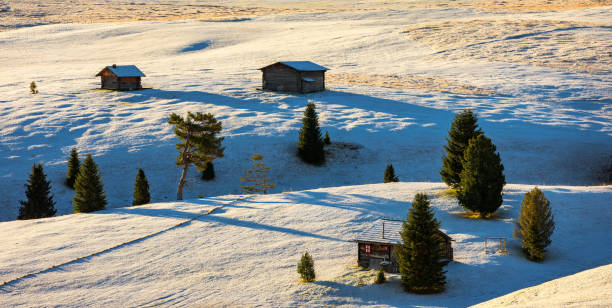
(280, 78)
(318, 83)
(129, 83)
(109, 82)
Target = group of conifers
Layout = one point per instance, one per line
(471, 167)
(473, 170)
(85, 179)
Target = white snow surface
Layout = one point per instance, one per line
(551, 126)
(245, 253)
(591, 288)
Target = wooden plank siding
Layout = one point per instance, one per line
(279, 77)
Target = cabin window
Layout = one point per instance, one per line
(368, 249)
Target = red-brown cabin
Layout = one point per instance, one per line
(294, 76)
(121, 77)
(376, 245)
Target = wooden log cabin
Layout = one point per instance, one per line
(294, 76)
(121, 77)
(376, 245)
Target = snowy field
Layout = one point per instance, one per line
(551, 125)
(538, 74)
(246, 251)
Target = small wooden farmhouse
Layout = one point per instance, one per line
(294, 76)
(376, 245)
(121, 77)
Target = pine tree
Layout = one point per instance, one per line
(310, 144)
(198, 144)
(88, 189)
(462, 129)
(39, 203)
(73, 168)
(141, 189)
(482, 177)
(326, 139)
(306, 268)
(380, 277)
(33, 88)
(208, 174)
(535, 225)
(420, 256)
(256, 177)
(390, 174)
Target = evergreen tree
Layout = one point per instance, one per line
(326, 139)
(390, 174)
(306, 268)
(88, 190)
(33, 88)
(535, 225)
(482, 177)
(198, 144)
(73, 168)
(39, 203)
(380, 277)
(310, 144)
(256, 177)
(420, 256)
(208, 174)
(462, 129)
(141, 189)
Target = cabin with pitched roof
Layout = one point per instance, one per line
(294, 76)
(376, 245)
(121, 77)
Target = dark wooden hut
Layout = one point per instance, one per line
(376, 245)
(121, 77)
(294, 76)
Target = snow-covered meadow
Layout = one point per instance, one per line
(551, 126)
(540, 81)
(245, 252)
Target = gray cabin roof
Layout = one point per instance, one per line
(374, 233)
(302, 66)
(123, 71)
(392, 229)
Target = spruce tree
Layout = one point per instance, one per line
(535, 225)
(73, 168)
(141, 189)
(380, 277)
(306, 268)
(208, 174)
(256, 177)
(88, 190)
(390, 174)
(482, 177)
(38, 202)
(33, 88)
(420, 255)
(310, 144)
(326, 139)
(198, 144)
(462, 129)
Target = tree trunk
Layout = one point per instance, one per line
(179, 188)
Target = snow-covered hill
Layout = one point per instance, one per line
(551, 125)
(591, 288)
(245, 252)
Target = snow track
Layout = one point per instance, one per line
(113, 248)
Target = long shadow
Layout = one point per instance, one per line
(169, 213)
(366, 206)
(346, 99)
(259, 226)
